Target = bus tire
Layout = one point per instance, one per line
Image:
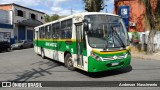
(69, 62)
(42, 54)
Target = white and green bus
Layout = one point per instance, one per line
(91, 41)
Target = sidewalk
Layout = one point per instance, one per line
(144, 56)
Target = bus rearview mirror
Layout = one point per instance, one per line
(87, 26)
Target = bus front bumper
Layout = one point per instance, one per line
(97, 66)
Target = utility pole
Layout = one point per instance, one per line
(71, 11)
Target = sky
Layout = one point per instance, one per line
(60, 7)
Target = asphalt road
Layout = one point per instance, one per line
(26, 65)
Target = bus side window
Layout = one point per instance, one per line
(66, 29)
(62, 31)
(69, 29)
(53, 31)
(42, 32)
(46, 32)
(50, 31)
(57, 28)
(68, 34)
(62, 34)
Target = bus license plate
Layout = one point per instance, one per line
(114, 64)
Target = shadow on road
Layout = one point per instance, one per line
(106, 73)
(38, 72)
(148, 69)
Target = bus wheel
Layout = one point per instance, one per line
(69, 62)
(42, 54)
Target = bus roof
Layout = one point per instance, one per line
(78, 14)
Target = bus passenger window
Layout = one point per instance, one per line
(43, 32)
(62, 34)
(68, 34)
(66, 27)
(57, 29)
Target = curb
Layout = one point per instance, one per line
(143, 57)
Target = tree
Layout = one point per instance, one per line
(153, 16)
(94, 5)
(54, 17)
(51, 18)
(47, 18)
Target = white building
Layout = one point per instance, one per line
(21, 20)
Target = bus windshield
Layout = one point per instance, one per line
(106, 31)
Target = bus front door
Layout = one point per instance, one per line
(36, 40)
(79, 45)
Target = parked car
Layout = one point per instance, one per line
(4, 46)
(22, 44)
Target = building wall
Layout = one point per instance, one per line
(137, 13)
(7, 34)
(6, 29)
(6, 7)
(27, 14)
(16, 31)
(5, 17)
(15, 19)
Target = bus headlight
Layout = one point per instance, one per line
(95, 56)
(125, 56)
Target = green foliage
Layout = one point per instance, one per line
(47, 18)
(51, 18)
(94, 5)
(54, 17)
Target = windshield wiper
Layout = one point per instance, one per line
(106, 44)
(110, 34)
(119, 38)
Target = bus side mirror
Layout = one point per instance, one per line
(85, 25)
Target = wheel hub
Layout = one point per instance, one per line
(70, 63)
